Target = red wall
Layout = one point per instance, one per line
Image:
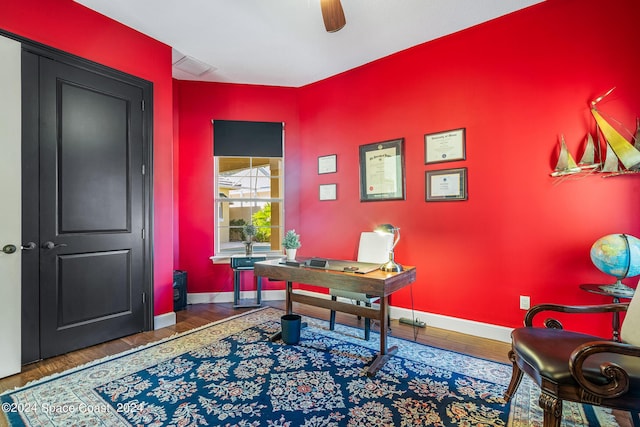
(198, 104)
(68, 26)
(515, 84)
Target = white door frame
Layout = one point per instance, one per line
(11, 212)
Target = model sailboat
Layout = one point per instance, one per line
(610, 161)
(618, 149)
(588, 159)
(566, 164)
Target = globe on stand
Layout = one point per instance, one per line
(617, 255)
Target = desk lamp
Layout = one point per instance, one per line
(390, 265)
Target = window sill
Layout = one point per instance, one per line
(226, 258)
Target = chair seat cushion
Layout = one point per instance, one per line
(547, 351)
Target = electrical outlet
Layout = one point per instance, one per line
(525, 302)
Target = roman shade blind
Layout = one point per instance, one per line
(242, 138)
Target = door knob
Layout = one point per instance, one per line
(51, 245)
(29, 246)
(9, 249)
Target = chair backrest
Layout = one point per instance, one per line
(374, 247)
(630, 331)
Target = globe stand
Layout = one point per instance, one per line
(618, 288)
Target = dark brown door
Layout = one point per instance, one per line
(91, 213)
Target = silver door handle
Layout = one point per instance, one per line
(29, 246)
(51, 245)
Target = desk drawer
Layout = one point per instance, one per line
(245, 263)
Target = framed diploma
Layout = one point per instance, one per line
(328, 192)
(327, 164)
(447, 146)
(446, 184)
(382, 171)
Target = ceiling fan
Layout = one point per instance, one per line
(333, 15)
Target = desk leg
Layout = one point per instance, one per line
(288, 308)
(288, 304)
(258, 290)
(237, 279)
(236, 288)
(385, 353)
(384, 302)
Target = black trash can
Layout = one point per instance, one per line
(179, 290)
(291, 324)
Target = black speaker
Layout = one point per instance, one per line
(179, 290)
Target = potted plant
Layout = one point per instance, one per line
(249, 230)
(291, 243)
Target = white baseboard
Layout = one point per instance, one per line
(469, 327)
(164, 320)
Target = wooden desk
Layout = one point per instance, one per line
(379, 283)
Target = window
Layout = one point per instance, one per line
(248, 184)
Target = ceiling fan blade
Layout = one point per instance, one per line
(333, 15)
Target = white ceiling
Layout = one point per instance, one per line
(284, 42)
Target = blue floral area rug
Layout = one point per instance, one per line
(230, 374)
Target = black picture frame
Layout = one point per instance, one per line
(327, 164)
(328, 192)
(445, 146)
(446, 185)
(382, 175)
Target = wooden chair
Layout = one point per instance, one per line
(373, 247)
(579, 367)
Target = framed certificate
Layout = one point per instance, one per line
(382, 171)
(446, 184)
(327, 164)
(328, 192)
(447, 146)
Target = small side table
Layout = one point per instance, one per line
(596, 289)
(238, 265)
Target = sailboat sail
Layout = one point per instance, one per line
(610, 161)
(587, 161)
(629, 156)
(566, 164)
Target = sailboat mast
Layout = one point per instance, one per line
(636, 144)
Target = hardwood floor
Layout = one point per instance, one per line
(202, 314)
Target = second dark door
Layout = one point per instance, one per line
(91, 208)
